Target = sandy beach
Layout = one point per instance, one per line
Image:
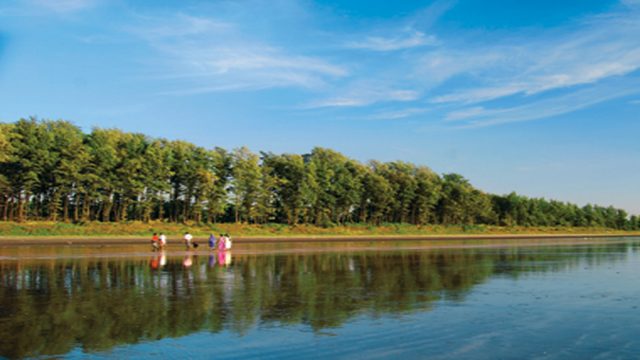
(61, 240)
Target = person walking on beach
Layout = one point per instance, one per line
(221, 243)
(227, 242)
(162, 241)
(187, 240)
(212, 242)
(155, 242)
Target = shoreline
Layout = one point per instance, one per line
(195, 253)
(140, 240)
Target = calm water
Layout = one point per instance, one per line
(410, 300)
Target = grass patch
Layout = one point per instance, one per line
(140, 229)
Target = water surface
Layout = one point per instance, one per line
(473, 299)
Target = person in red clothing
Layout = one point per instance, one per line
(155, 242)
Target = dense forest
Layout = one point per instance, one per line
(51, 170)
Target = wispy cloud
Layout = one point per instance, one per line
(466, 113)
(44, 8)
(218, 56)
(599, 48)
(377, 43)
(64, 6)
(177, 26)
(399, 114)
(364, 94)
(408, 62)
(429, 16)
(541, 109)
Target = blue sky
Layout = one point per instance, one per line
(538, 97)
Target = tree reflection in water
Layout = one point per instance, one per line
(49, 308)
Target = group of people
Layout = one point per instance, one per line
(158, 242)
(223, 242)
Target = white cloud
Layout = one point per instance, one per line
(427, 17)
(464, 71)
(399, 114)
(219, 60)
(479, 94)
(541, 109)
(376, 43)
(178, 26)
(211, 55)
(466, 113)
(599, 48)
(433, 68)
(64, 6)
(367, 94)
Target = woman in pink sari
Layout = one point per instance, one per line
(221, 243)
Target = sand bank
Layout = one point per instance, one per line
(33, 241)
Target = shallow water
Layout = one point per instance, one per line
(450, 300)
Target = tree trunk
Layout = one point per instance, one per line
(124, 204)
(5, 210)
(36, 207)
(174, 206)
(65, 208)
(53, 206)
(12, 209)
(160, 210)
(186, 213)
(20, 216)
(86, 207)
(76, 211)
(106, 208)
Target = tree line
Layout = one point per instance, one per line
(51, 170)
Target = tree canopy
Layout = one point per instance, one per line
(51, 170)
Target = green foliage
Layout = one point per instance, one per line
(50, 170)
(377, 198)
(246, 185)
(460, 203)
(5, 142)
(289, 178)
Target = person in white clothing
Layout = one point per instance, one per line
(187, 240)
(163, 240)
(227, 242)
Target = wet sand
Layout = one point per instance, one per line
(102, 251)
(98, 251)
(48, 241)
